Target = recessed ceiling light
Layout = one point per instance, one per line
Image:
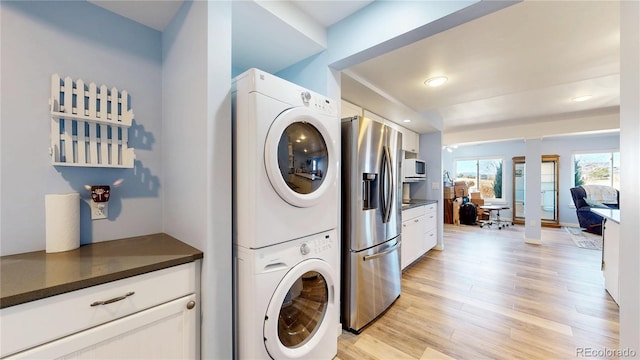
(582, 98)
(406, 120)
(436, 81)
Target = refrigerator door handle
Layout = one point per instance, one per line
(382, 253)
(387, 184)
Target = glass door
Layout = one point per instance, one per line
(549, 190)
(519, 189)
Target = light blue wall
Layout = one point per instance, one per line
(196, 104)
(430, 152)
(563, 146)
(79, 40)
(311, 73)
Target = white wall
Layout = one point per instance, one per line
(630, 168)
(98, 46)
(197, 155)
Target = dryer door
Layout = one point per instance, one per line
(300, 156)
(298, 316)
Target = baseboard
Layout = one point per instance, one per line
(533, 241)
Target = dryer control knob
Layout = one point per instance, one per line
(306, 96)
(305, 249)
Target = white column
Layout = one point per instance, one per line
(533, 191)
(629, 271)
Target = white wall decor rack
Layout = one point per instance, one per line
(89, 125)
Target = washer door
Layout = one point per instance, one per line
(300, 157)
(297, 316)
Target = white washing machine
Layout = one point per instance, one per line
(287, 301)
(286, 161)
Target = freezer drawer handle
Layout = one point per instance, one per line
(382, 253)
(105, 302)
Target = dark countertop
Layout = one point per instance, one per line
(417, 202)
(36, 275)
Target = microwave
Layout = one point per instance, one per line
(414, 170)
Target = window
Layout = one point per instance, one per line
(597, 169)
(482, 175)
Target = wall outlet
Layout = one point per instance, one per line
(99, 210)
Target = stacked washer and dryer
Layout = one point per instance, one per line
(286, 208)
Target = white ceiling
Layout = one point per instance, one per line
(521, 64)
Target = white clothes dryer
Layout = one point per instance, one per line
(286, 161)
(286, 299)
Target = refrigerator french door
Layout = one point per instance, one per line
(371, 220)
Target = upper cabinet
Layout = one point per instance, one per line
(410, 139)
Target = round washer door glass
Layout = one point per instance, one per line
(303, 308)
(300, 156)
(296, 319)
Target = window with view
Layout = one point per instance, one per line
(597, 169)
(482, 175)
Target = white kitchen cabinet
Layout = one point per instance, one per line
(149, 316)
(419, 233)
(431, 227)
(165, 331)
(410, 141)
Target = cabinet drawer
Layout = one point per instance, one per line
(34, 323)
(431, 208)
(413, 213)
(431, 239)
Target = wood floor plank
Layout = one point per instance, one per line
(489, 295)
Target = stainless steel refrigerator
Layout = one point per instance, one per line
(371, 220)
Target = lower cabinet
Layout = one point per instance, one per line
(165, 331)
(419, 232)
(149, 316)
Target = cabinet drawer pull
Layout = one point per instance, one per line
(113, 300)
(191, 304)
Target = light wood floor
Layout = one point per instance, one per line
(489, 295)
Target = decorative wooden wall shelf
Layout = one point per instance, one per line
(89, 125)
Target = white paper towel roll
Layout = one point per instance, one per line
(62, 217)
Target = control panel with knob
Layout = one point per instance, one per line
(305, 249)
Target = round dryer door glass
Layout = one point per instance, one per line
(302, 157)
(303, 309)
